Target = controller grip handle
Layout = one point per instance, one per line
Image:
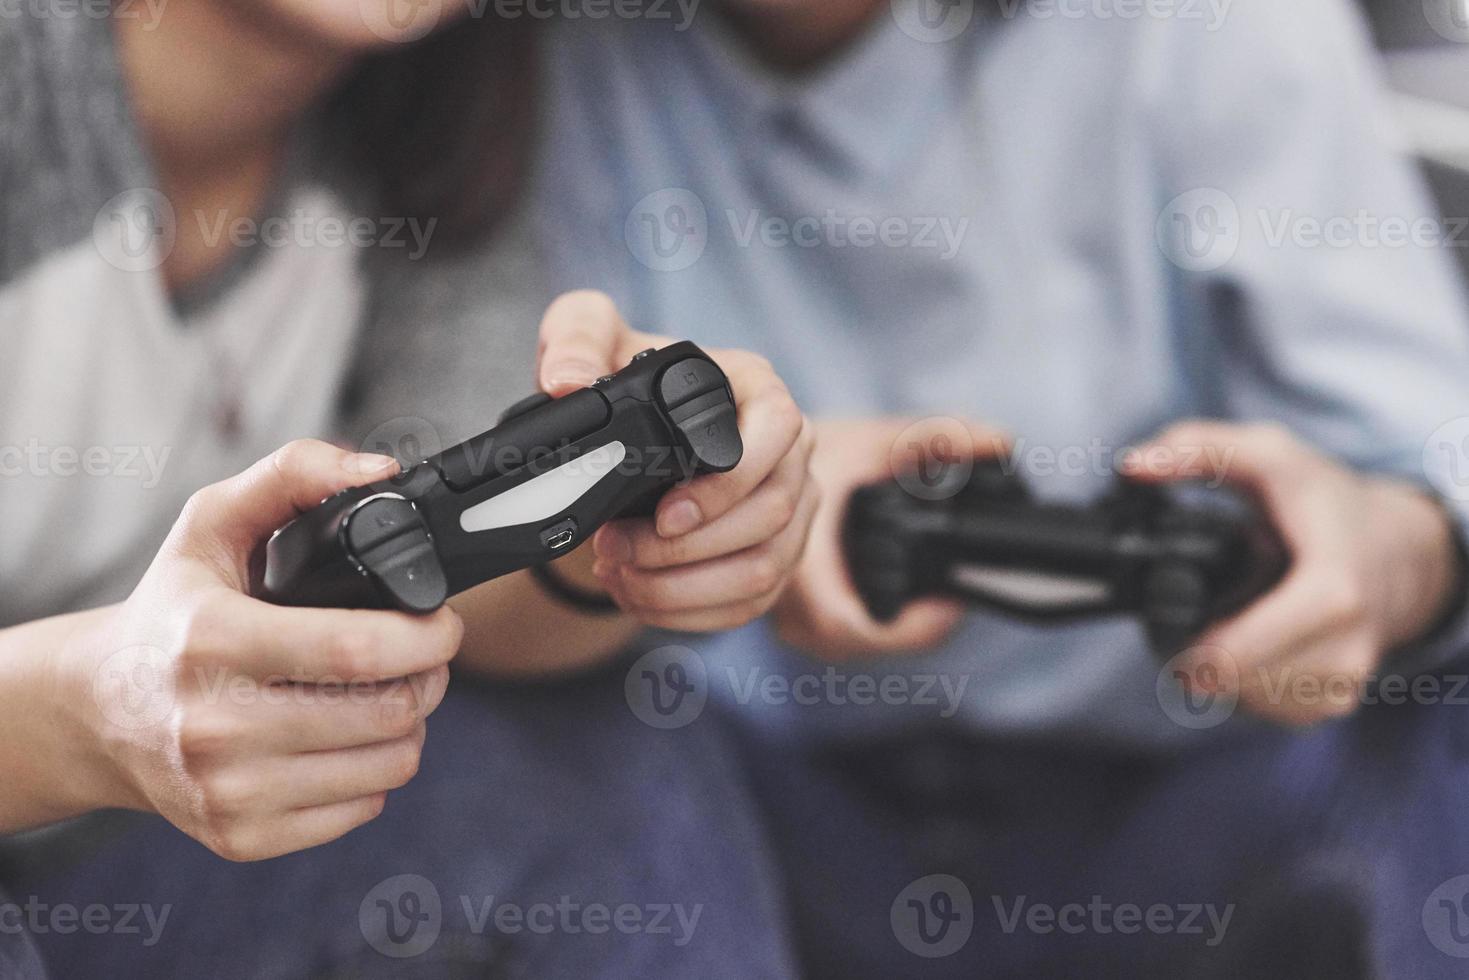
(878, 556)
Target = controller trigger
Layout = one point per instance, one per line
(393, 545)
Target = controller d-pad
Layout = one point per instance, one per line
(390, 541)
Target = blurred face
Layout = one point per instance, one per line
(356, 25)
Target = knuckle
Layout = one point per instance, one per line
(749, 361)
(234, 844)
(406, 763)
(199, 739)
(202, 504)
(784, 410)
(585, 304)
(225, 797)
(1273, 437)
(1343, 602)
(643, 592)
(375, 805)
(453, 633)
(1185, 433)
(1337, 707)
(291, 458)
(734, 617)
(763, 604)
(785, 507)
(351, 654)
(204, 616)
(807, 438)
(765, 573)
(397, 711)
(660, 553)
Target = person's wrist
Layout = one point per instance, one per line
(83, 745)
(1425, 583)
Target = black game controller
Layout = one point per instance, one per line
(523, 493)
(1179, 556)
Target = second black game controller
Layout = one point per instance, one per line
(1179, 556)
(525, 492)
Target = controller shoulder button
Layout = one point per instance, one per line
(526, 404)
(687, 379)
(713, 434)
(389, 540)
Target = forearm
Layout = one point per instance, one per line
(514, 628)
(51, 764)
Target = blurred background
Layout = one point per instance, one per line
(1425, 44)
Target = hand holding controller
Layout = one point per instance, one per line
(1179, 556)
(523, 493)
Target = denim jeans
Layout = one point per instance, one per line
(1335, 853)
(549, 833)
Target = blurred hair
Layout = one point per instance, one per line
(442, 128)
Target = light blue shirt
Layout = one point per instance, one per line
(1076, 228)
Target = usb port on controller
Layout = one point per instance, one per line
(559, 535)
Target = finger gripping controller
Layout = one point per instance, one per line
(1178, 556)
(525, 492)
